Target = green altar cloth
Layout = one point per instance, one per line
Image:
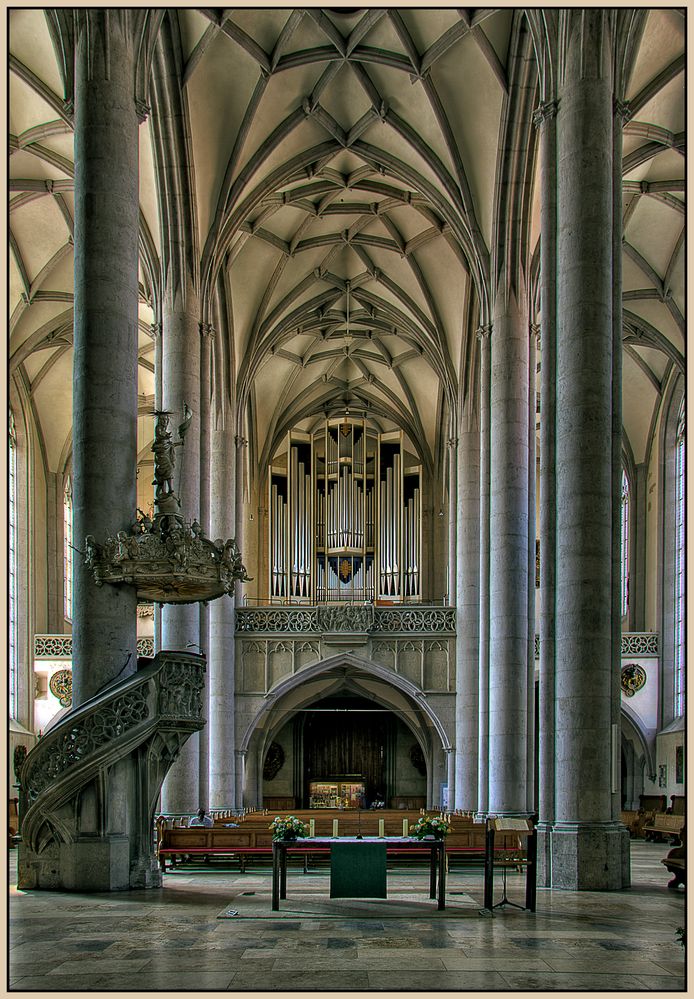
(358, 870)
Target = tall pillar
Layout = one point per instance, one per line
(586, 843)
(546, 122)
(105, 340)
(620, 116)
(467, 616)
(206, 339)
(531, 791)
(222, 650)
(508, 557)
(483, 335)
(181, 624)
(452, 519)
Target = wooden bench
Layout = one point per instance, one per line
(676, 862)
(664, 825)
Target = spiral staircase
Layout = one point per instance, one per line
(89, 788)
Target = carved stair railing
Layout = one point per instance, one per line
(111, 753)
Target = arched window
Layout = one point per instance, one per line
(679, 646)
(625, 544)
(67, 549)
(12, 568)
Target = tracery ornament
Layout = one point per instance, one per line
(274, 761)
(60, 646)
(76, 742)
(633, 678)
(60, 685)
(415, 619)
(636, 643)
(297, 619)
(355, 618)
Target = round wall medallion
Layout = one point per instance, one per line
(61, 686)
(633, 678)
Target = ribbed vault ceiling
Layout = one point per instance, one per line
(345, 171)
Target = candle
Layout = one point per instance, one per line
(334, 827)
(381, 827)
(404, 827)
(312, 827)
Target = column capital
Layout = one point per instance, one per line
(544, 112)
(207, 330)
(154, 330)
(483, 332)
(240, 441)
(142, 109)
(622, 109)
(452, 442)
(69, 108)
(535, 330)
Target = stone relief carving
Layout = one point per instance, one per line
(350, 618)
(60, 685)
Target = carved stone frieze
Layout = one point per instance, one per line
(635, 643)
(60, 646)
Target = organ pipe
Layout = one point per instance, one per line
(345, 518)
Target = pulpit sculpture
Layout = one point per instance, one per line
(168, 559)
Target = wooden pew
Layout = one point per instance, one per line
(676, 862)
(664, 825)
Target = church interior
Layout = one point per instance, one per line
(346, 480)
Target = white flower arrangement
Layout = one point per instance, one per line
(435, 826)
(288, 828)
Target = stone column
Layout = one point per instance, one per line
(451, 582)
(620, 116)
(181, 624)
(508, 557)
(467, 616)
(586, 844)
(222, 649)
(483, 335)
(105, 341)
(532, 537)
(206, 340)
(545, 121)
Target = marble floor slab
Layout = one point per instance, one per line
(171, 940)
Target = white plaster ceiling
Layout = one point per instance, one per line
(346, 286)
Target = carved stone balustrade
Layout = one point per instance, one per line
(89, 788)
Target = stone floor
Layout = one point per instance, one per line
(172, 940)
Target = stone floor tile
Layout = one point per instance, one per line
(608, 965)
(660, 983)
(36, 983)
(460, 962)
(569, 982)
(299, 981)
(453, 981)
(97, 966)
(387, 961)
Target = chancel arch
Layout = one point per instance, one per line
(369, 702)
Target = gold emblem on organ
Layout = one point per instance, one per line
(345, 569)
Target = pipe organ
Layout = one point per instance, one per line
(345, 517)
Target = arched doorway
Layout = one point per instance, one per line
(345, 720)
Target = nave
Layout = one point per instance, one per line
(171, 939)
